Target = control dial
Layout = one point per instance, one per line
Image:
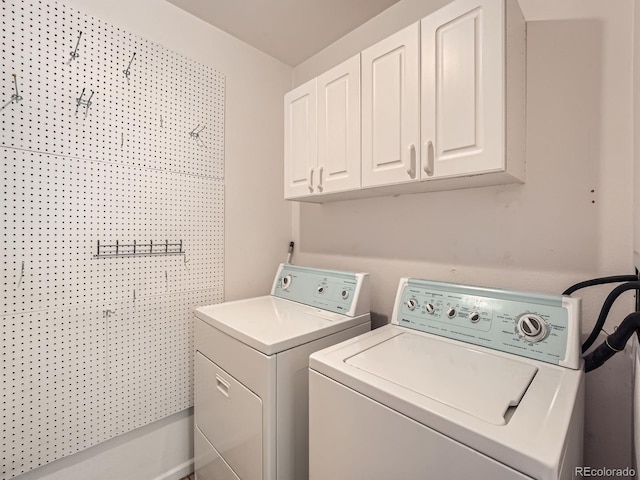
(429, 307)
(474, 317)
(452, 312)
(412, 303)
(286, 282)
(532, 327)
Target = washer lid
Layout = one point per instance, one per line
(475, 382)
(271, 325)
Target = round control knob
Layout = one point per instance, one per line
(345, 294)
(452, 312)
(430, 308)
(474, 317)
(286, 282)
(532, 327)
(321, 289)
(412, 303)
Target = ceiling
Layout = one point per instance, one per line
(289, 30)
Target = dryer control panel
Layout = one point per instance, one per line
(542, 327)
(336, 291)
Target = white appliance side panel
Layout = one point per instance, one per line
(293, 404)
(573, 455)
(230, 417)
(209, 465)
(352, 436)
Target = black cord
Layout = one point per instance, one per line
(606, 306)
(600, 281)
(613, 344)
(637, 296)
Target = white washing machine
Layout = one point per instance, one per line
(251, 371)
(465, 382)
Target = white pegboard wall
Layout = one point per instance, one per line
(133, 366)
(56, 208)
(76, 377)
(54, 398)
(143, 120)
(136, 164)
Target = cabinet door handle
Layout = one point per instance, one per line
(222, 385)
(310, 182)
(412, 161)
(320, 186)
(428, 168)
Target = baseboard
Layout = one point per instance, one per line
(181, 471)
(162, 450)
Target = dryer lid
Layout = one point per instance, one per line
(272, 325)
(472, 381)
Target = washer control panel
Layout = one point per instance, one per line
(542, 327)
(332, 290)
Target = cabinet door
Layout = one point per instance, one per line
(339, 127)
(391, 109)
(300, 141)
(462, 49)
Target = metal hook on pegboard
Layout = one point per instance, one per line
(195, 134)
(75, 53)
(127, 72)
(16, 97)
(21, 276)
(86, 103)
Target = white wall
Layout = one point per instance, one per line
(572, 220)
(257, 219)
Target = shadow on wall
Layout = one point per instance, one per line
(378, 320)
(549, 223)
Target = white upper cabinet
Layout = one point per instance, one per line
(440, 105)
(322, 133)
(391, 109)
(339, 157)
(464, 90)
(300, 141)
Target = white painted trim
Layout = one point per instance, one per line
(178, 472)
(162, 450)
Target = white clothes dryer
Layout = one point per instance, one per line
(251, 371)
(465, 382)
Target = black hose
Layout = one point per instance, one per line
(637, 296)
(606, 306)
(600, 281)
(614, 343)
